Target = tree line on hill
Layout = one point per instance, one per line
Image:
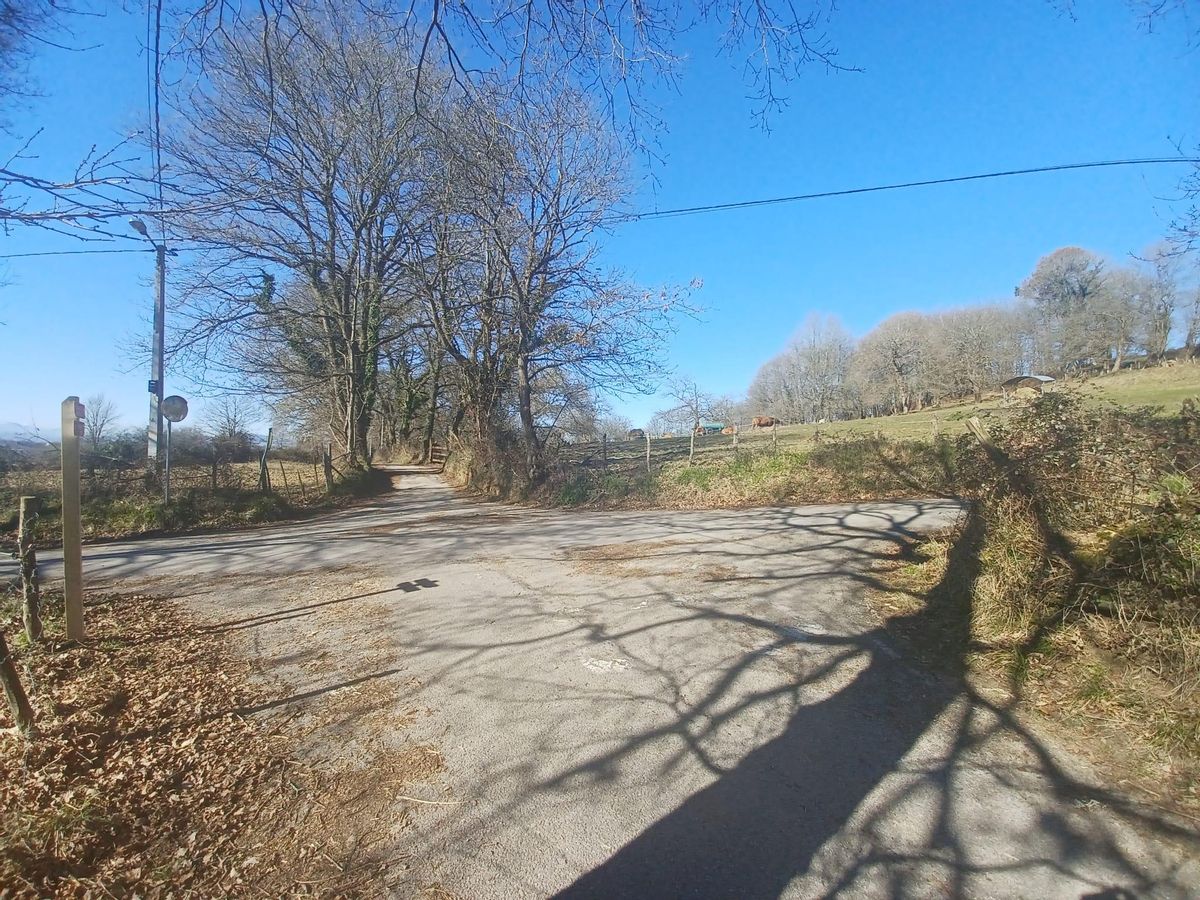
(1076, 314)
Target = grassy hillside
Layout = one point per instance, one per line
(1159, 387)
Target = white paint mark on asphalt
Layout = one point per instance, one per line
(602, 666)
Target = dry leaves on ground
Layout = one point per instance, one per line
(151, 776)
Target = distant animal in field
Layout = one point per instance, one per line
(728, 429)
(636, 434)
(764, 422)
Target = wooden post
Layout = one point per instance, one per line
(935, 428)
(692, 446)
(30, 595)
(18, 701)
(976, 428)
(775, 437)
(287, 488)
(72, 431)
(735, 440)
(214, 471)
(264, 477)
(604, 449)
(327, 462)
(647, 452)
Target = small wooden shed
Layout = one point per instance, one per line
(1025, 386)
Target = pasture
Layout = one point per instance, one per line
(1165, 387)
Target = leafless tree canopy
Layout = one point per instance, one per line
(99, 414)
(399, 270)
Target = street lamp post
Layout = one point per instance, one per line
(154, 432)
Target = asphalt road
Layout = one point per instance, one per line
(658, 703)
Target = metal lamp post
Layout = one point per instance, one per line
(154, 432)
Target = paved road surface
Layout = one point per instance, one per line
(656, 704)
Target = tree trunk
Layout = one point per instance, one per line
(435, 383)
(528, 433)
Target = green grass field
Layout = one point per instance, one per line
(1166, 387)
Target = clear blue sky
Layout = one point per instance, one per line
(954, 89)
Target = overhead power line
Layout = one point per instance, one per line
(771, 201)
(75, 252)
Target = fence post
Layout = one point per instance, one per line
(775, 437)
(692, 446)
(18, 701)
(72, 527)
(647, 452)
(327, 464)
(30, 594)
(735, 439)
(604, 449)
(287, 488)
(264, 477)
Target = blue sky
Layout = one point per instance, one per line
(954, 89)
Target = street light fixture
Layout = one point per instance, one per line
(154, 431)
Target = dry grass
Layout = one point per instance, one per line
(1083, 604)
(1090, 672)
(124, 504)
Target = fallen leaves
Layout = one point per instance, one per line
(149, 779)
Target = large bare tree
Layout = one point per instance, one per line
(300, 167)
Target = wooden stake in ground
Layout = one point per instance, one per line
(264, 477)
(647, 452)
(775, 437)
(287, 488)
(327, 462)
(30, 593)
(692, 446)
(72, 431)
(18, 701)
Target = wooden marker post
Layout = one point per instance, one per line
(647, 452)
(72, 431)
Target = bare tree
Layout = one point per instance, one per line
(307, 161)
(894, 358)
(974, 349)
(615, 427)
(613, 51)
(1063, 289)
(99, 413)
(805, 382)
(1159, 299)
(692, 405)
(228, 421)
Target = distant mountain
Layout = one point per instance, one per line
(13, 431)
